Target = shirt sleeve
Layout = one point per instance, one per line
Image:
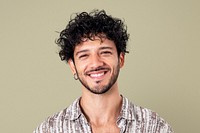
(42, 128)
(164, 127)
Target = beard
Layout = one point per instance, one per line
(101, 89)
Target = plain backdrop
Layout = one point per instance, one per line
(161, 71)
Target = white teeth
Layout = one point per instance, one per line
(96, 75)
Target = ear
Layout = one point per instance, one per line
(72, 66)
(121, 59)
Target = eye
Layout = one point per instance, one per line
(83, 56)
(106, 53)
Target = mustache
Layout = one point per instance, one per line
(97, 69)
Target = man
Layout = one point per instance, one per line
(94, 45)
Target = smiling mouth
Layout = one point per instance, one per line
(98, 73)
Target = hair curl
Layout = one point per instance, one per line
(88, 25)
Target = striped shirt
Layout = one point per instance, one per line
(132, 119)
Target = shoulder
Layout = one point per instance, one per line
(54, 122)
(149, 120)
(50, 124)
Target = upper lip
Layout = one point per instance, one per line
(97, 70)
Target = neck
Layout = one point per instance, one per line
(101, 109)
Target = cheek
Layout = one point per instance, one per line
(80, 67)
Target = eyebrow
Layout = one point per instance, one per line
(105, 47)
(82, 51)
(86, 50)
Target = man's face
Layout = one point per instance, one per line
(97, 64)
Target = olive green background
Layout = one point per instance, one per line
(161, 71)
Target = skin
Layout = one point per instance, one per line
(97, 64)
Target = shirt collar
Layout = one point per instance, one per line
(127, 110)
(74, 110)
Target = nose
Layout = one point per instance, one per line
(96, 61)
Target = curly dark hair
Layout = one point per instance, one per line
(88, 25)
